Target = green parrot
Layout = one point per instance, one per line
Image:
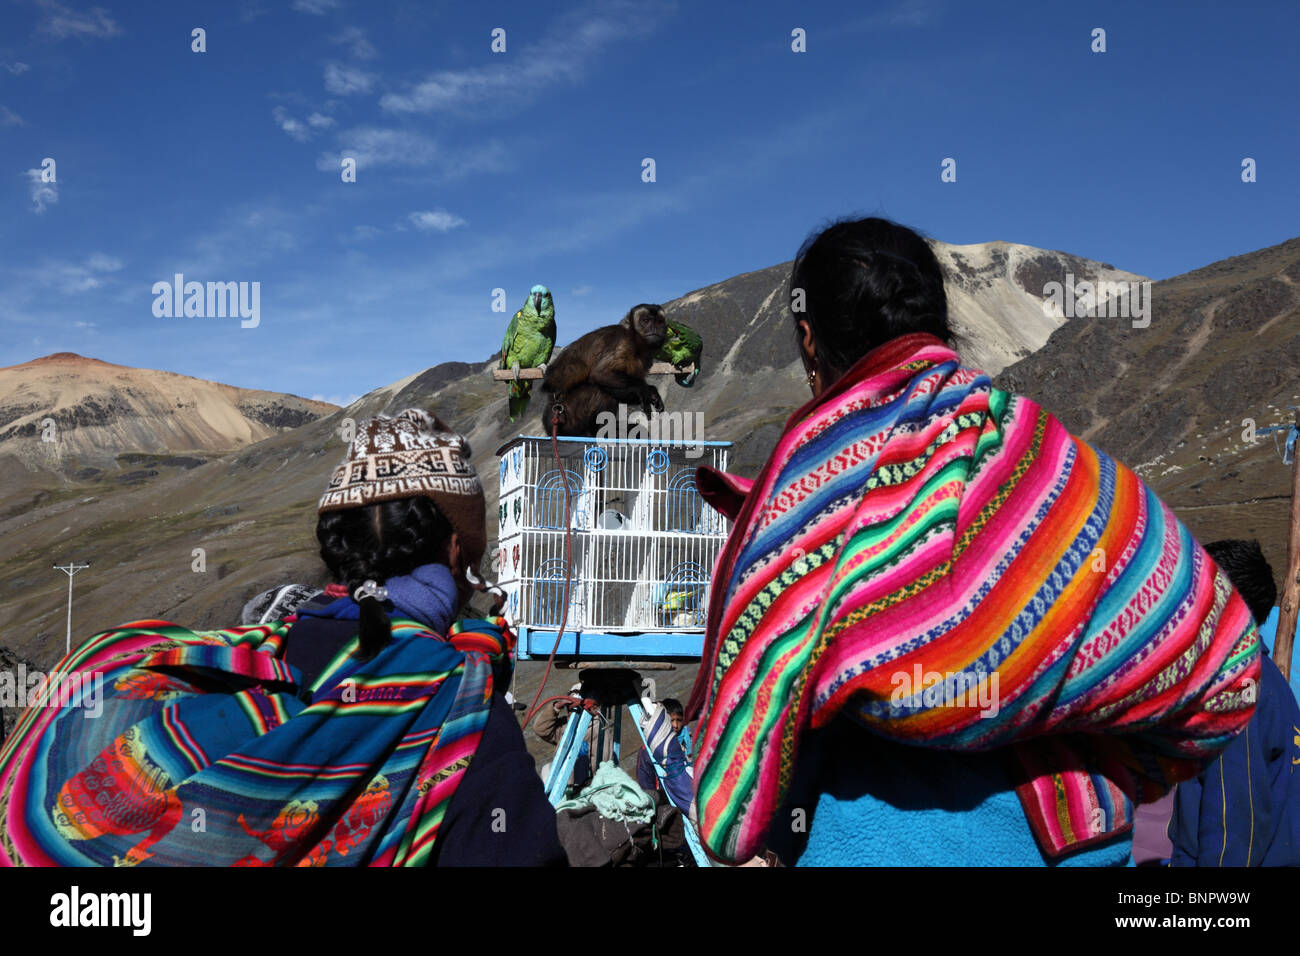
(685, 598)
(529, 340)
(682, 607)
(682, 347)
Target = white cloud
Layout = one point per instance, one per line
(902, 14)
(489, 158)
(17, 69)
(576, 222)
(561, 55)
(580, 291)
(99, 262)
(74, 277)
(365, 232)
(372, 146)
(293, 127)
(62, 22)
(42, 193)
(437, 220)
(243, 243)
(320, 121)
(914, 13)
(347, 80)
(9, 118)
(317, 7)
(358, 46)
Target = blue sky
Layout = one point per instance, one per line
(479, 170)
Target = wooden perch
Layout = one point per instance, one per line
(532, 374)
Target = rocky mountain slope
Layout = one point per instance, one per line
(89, 412)
(1176, 400)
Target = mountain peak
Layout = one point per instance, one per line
(62, 358)
(103, 410)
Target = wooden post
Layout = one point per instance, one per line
(1285, 637)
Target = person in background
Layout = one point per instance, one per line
(1267, 632)
(677, 754)
(943, 630)
(1243, 809)
(662, 725)
(549, 725)
(369, 729)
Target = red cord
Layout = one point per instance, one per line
(568, 562)
(565, 697)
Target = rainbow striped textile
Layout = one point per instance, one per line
(944, 563)
(180, 747)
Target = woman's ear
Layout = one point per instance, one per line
(455, 555)
(456, 561)
(807, 344)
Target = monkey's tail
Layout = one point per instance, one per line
(557, 410)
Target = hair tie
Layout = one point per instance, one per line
(370, 589)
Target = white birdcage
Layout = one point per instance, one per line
(643, 542)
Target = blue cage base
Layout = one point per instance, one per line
(536, 644)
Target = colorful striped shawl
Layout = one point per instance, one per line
(203, 753)
(921, 549)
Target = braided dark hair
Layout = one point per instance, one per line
(377, 542)
(865, 282)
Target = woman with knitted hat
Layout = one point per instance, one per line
(368, 729)
(943, 630)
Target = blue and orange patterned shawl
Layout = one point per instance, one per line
(203, 752)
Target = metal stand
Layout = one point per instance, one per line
(613, 689)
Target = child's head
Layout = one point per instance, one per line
(1250, 573)
(673, 707)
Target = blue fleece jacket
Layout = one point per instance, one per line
(880, 803)
(858, 800)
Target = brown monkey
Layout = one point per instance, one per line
(604, 368)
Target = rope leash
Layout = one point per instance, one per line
(556, 410)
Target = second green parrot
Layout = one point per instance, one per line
(529, 341)
(682, 347)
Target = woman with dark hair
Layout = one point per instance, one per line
(369, 728)
(943, 630)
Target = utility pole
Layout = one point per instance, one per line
(70, 569)
(1285, 637)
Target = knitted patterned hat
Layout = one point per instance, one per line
(412, 455)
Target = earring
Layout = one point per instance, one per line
(812, 377)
